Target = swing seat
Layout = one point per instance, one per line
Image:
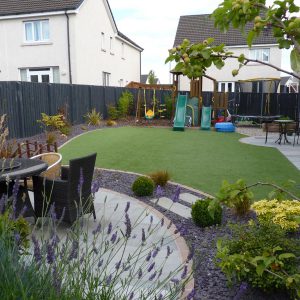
(149, 114)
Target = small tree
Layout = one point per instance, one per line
(152, 79)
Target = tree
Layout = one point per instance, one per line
(152, 79)
(279, 17)
(193, 59)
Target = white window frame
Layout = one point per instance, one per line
(105, 78)
(111, 45)
(226, 83)
(103, 42)
(258, 54)
(39, 72)
(123, 51)
(40, 22)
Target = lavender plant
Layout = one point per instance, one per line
(125, 256)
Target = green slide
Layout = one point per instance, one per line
(206, 117)
(179, 119)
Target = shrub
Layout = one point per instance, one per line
(284, 213)
(113, 113)
(93, 118)
(50, 138)
(52, 123)
(143, 186)
(111, 123)
(66, 130)
(168, 102)
(261, 255)
(125, 104)
(236, 195)
(202, 216)
(160, 177)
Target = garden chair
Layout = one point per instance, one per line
(64, 195)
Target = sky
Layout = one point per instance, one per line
(153, 24)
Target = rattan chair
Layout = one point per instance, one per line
(64, 193)
(53, 160)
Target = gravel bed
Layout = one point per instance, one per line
(210, 282)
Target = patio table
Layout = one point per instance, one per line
(283, 130)
(19, 168)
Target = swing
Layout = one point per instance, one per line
(149, 114)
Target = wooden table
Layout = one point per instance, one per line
(18, 168)
(283, 130)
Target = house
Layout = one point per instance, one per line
(289, 84)
(198, 28)
(70, 41)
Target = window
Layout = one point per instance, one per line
(123, 51)
(262, 54)
(111, 45)
(103, 41)
(37, 31)
(105, 78)
(48, 74)
(226, 87)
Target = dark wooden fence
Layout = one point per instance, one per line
(23, 103)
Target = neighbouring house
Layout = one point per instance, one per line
(289, 84)
(198, 28)
(70, 41)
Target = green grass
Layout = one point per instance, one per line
(199, 159)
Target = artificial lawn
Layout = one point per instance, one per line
(199, 159)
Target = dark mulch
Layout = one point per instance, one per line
(210, 282)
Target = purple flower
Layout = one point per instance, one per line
(159, 192)
(95, 186)
(74, 250)
(52, 212)
(160, 296)
(143, 235)
(127, 207)
(175, 281)
(15, 189)
(118, 264)
(175, 197)
(149, 256)
(155, 252)
(17, 238)
(128, 226)
(184, 273)
(152, 276)
(114, 237)
(151, 219)
(100, 263)
(151, 267)
(97, 229)
(168, 251)
(109, 228)
(56, 280)
(80, 184)
(241, 291)
(191, 254)
(108, 279)
(191, 295)
(140, 273)
(3, 201)
(50, 254)
(36, 249)
(131, 296)
(162, 222)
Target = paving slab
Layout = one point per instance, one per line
(176, 208)
(189, 198)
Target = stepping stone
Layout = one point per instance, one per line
(176, 208)
(189, 198)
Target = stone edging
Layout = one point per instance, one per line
(179, 240)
